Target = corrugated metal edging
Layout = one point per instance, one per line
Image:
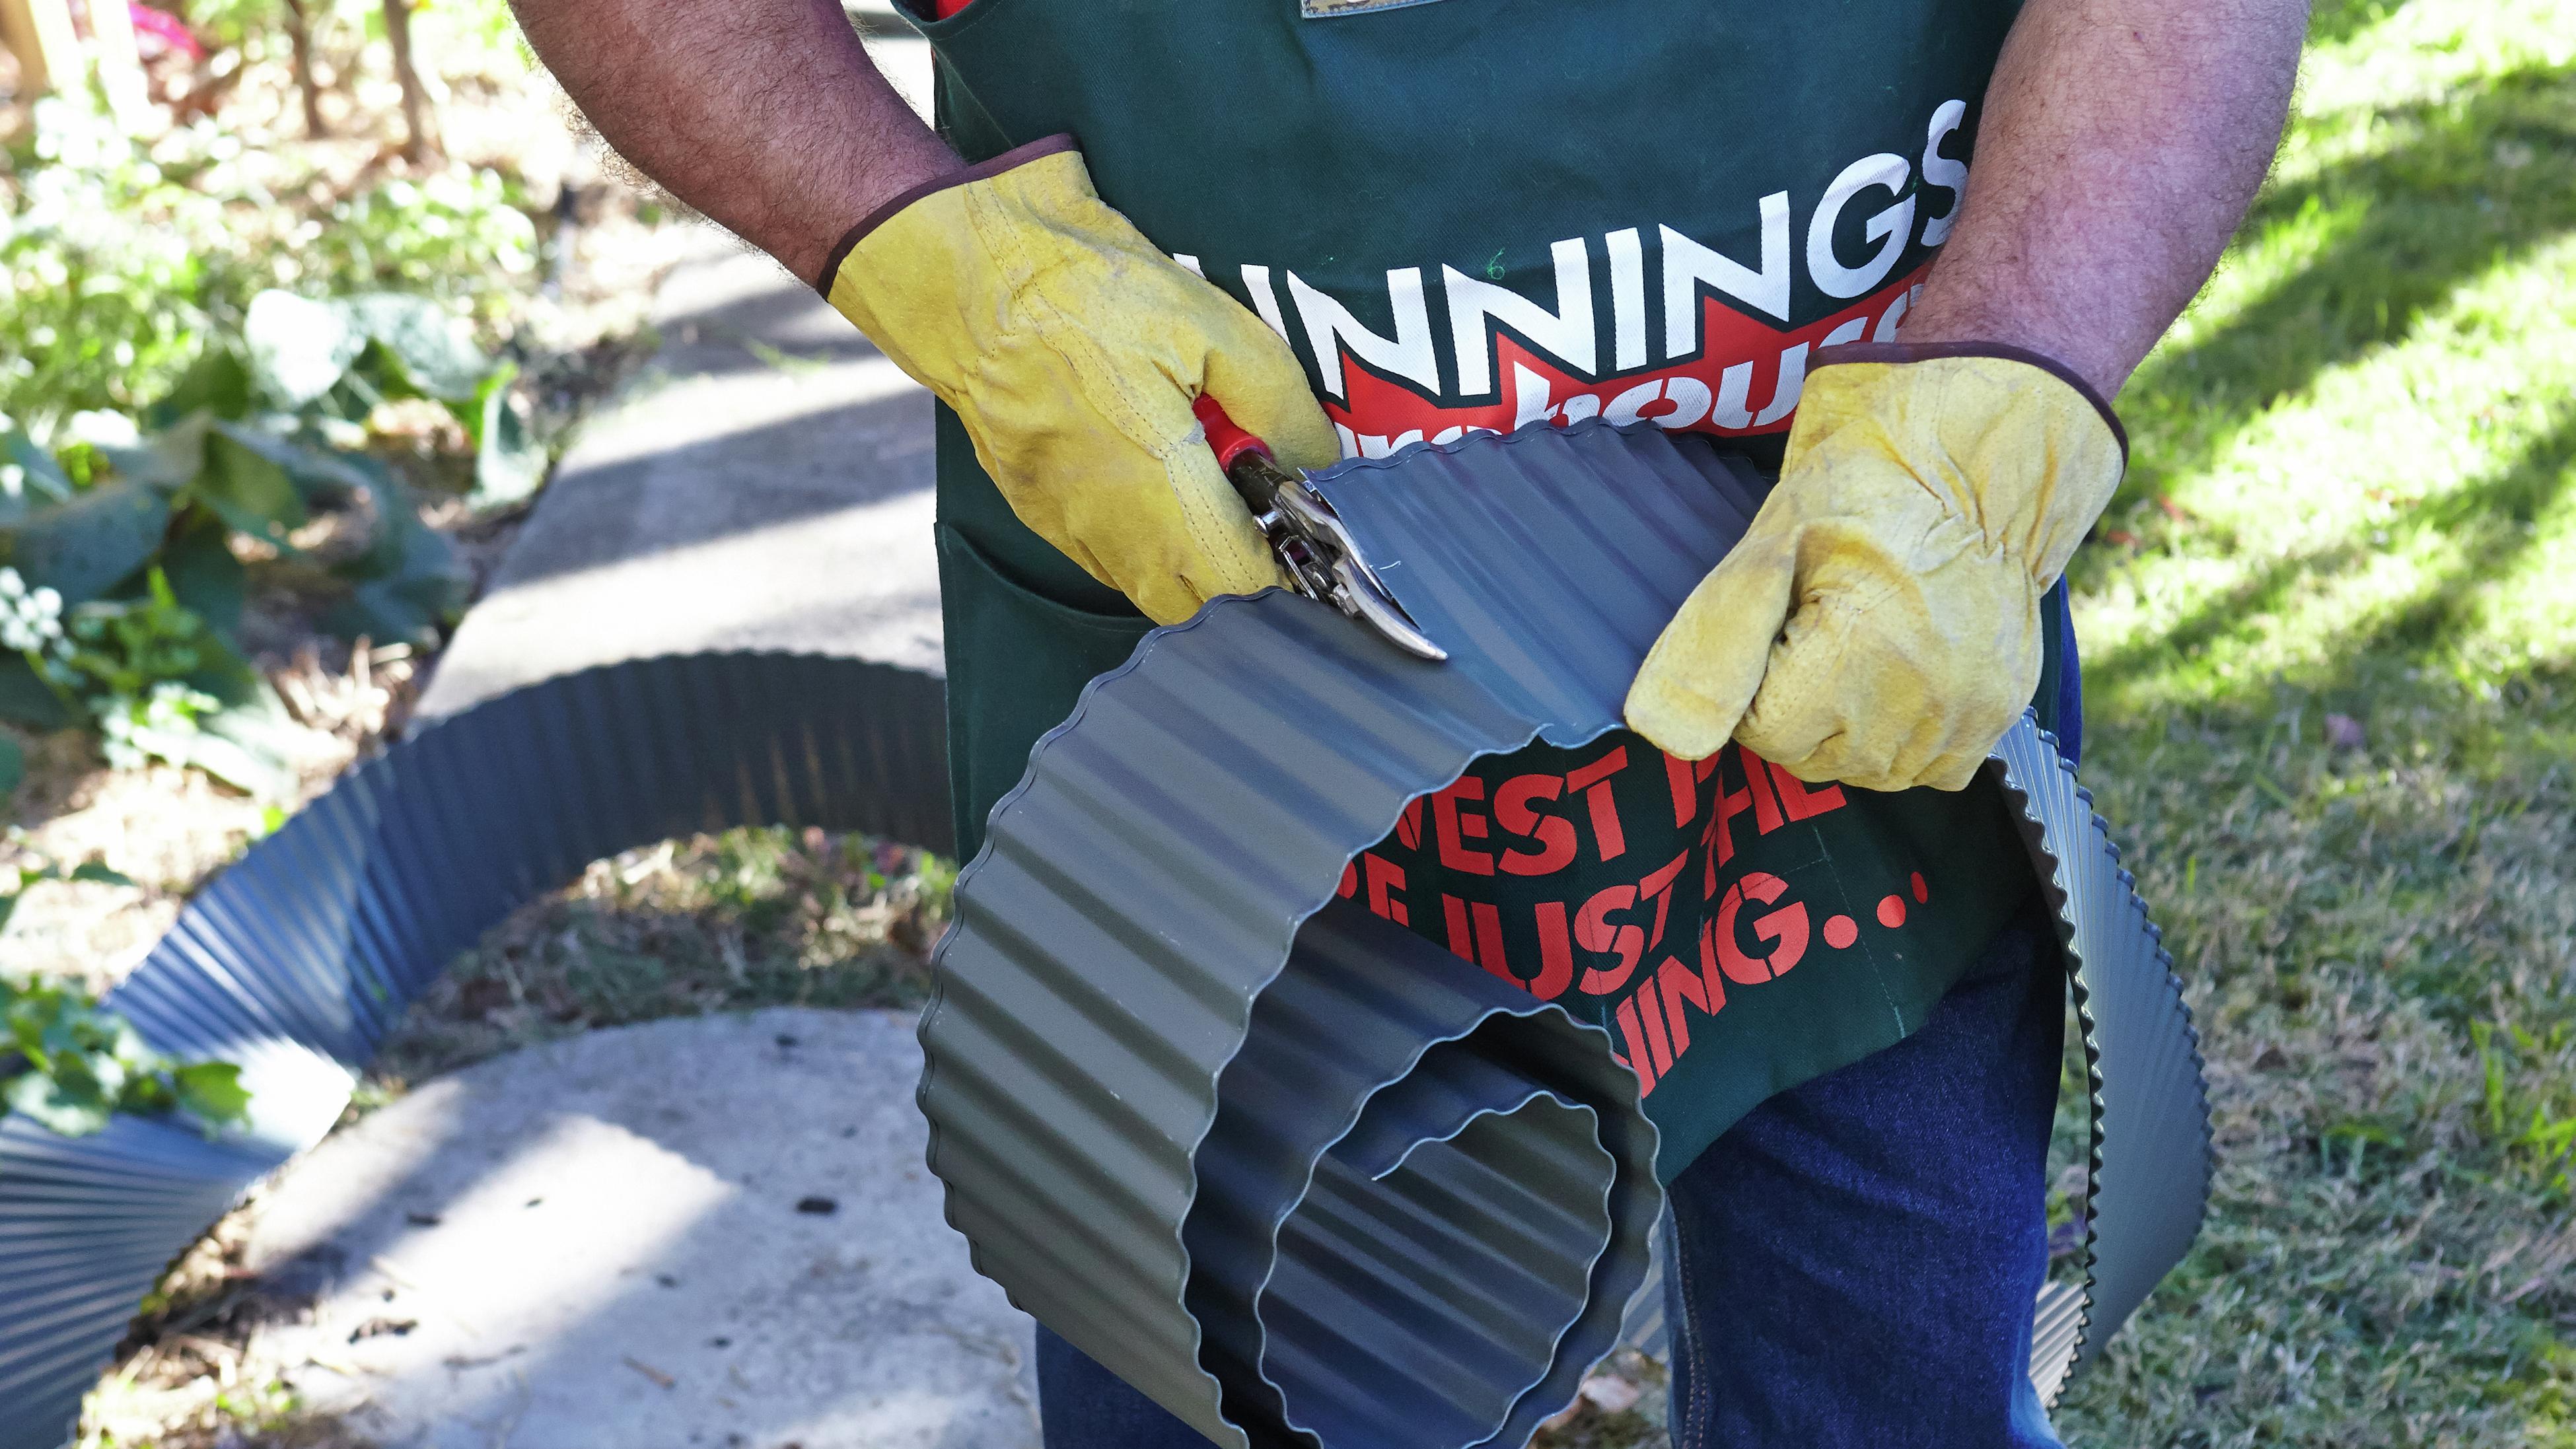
(1475, 1153)
(1138, 1127)
(2143, 1203)
(301, 958)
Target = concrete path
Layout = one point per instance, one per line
(712, 1232)
(764, 483)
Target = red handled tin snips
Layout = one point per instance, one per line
(1323, 561)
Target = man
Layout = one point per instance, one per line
(1361, 224)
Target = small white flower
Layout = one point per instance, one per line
(29, 620)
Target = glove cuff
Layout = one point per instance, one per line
(1929, 351)
(1017, 156)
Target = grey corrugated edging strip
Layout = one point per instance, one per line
(298, 960)
(1099, 1073)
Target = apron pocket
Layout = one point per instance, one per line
(1017, 661)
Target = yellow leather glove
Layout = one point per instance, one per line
(1879, 623)
(1071, 347)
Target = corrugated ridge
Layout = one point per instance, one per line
(1359, 1020)
(2055, 1330)
(320, 937)
(1393, 1254)
(117, 1204)
(1085, 822)
(1553, 558)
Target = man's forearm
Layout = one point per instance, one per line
(2121, 143)
(764, 114)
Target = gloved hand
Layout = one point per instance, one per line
(1879, 623)
(1072, 348)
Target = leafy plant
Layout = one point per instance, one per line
(121, 265)
(109, 267)
(120, 593)
(71, 1066)
(327, 365)
(127, 648)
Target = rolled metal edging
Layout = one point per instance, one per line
(301, 958)
(1160, 895)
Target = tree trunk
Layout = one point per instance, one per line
(299, 34)
(418, 143)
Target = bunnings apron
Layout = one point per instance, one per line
(1484, 214)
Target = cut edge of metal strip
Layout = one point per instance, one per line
(2075, 859)
(2065, 1331)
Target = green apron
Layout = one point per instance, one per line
(1471, 214)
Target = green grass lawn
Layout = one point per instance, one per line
(2329, 630)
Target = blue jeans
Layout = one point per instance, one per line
(1856, 1261)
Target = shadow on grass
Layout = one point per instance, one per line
(2461, 186)
(2487, 522)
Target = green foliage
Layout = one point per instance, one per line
(122, 269)
(125, 572)
(328, 364)
(83, 548)
(127, 647)
(451, 236)
(107, 268)
(71, 1066)
(251, 312)
(29, 476)
(509, 461)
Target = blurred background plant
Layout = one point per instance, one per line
(297, 298)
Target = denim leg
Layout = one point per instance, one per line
(1085, 1406)
(1856, 1261)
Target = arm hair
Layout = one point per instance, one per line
(2121, 144)
(766, 115)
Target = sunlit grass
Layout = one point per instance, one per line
(2411, 501)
